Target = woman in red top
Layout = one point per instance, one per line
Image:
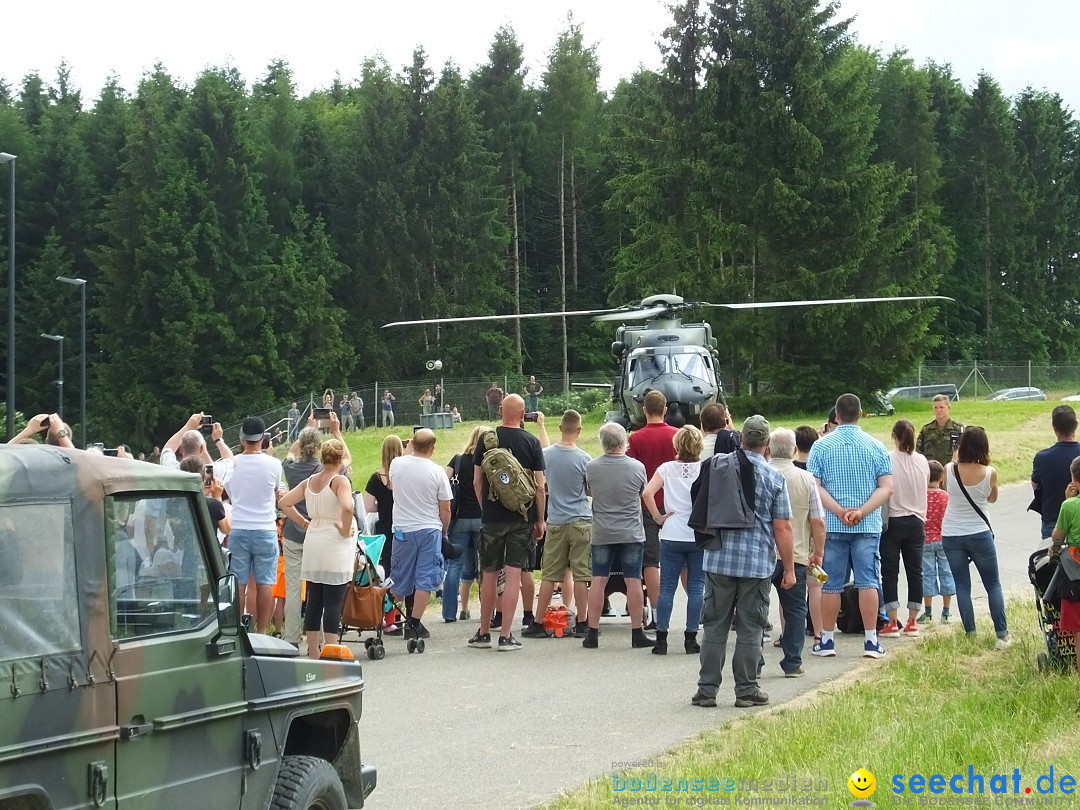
(937, 576)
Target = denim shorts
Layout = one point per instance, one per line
(630, 557)
(850, 551)
(417, 561)
(254, 550)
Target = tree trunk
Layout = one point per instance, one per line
(573, 221)
(516, 264)
(562, 255)
(987, 259)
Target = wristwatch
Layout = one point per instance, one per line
(63, 433)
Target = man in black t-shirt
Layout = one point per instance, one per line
(506, 539)
(1050, 469)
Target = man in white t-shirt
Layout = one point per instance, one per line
(422, 497)
(253, 491)
(188, 441)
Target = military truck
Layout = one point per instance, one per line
(126, 679)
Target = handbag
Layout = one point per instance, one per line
(364, 605)
(978, 511)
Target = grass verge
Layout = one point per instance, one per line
(947, 704)
(1017, 430)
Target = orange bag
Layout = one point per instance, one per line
(557, 621)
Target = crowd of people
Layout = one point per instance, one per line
(822, 517)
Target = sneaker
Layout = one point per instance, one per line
(1003, 643)
(766, 638)
(873, 649)
(650, 626)
(944, 618)
(393, 630)
(890, 630)
(464, 616)
(450, 620)
(704, 701)
(911, 629)
(581, 629)
(591, 640)
(777, 642)
(607, 611)
(926, 618)
(755, 698)
(527, 620)
(535, 630)
(795, 673)
(422, 631)
(496, 619)
(508, 644)
(824, 649)
(481, 641)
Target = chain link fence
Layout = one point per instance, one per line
(980, 380)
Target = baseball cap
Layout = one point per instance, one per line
(253, 429)
(756, 427)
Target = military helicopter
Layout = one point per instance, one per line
(664, 354)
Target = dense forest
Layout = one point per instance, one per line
(243, 243)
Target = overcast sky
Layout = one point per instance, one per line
(1019, 44)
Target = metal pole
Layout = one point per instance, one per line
(60, 382)
(82, 381)
(1029, 374)
(376, 406)
(976, 373)
(11, 307)
(920, 380)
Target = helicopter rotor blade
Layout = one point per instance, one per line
(633, 314)
(820, 302)
(499, 317)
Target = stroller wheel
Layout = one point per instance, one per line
(411, 645)
(1043, 662)
(420, 645)
(368, 642)
(379, 652)
(371, 652)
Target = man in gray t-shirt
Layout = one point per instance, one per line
(569, 524)
(616, 483)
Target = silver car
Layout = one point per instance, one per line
(1017, 394)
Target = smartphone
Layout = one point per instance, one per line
(530, 416)
(954, 440)
(111, 451)
(266, 441)
(99, 446)
(322, 417)
(44, 423)
(208, 475)
(207, 425)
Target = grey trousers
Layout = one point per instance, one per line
(746, 603)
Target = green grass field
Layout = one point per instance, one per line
(947, 704)
(1016, 430)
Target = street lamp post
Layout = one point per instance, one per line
(6, 157)
(60, 376)
(81, 284)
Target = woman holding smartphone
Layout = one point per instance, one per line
(329, 542)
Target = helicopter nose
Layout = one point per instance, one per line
(674, 415)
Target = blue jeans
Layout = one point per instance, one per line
(673, 556)
(937, 578)
(464, 532)
(793, 603)
(963, 550)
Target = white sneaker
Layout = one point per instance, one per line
(1003, 643)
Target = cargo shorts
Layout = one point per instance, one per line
(568, 546)
(506, 544)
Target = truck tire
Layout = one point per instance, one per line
(308, 783)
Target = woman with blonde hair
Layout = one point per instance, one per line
(329, 542)
(464, 531)
(378, 497)
(677, 546)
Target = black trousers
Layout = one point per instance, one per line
(324, 604)
(905, 537)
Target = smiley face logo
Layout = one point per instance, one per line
(862, 785)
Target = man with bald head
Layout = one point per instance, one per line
(507, 539)
(422, 497)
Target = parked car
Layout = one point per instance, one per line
(129, 681)
(1017, 394)
(924, 392)
(1073, 398)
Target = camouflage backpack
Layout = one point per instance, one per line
(508, 482)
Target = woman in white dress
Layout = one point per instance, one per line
(329, 542)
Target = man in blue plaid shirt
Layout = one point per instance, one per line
(854, 476)
(738, 577)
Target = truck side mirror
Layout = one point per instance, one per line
(228, 618)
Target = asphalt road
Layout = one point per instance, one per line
(464, 728)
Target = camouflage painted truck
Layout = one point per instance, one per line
(126, 680)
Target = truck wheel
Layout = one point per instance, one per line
(308, 783)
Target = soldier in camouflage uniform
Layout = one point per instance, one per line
(939, 438)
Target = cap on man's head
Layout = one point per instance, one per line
(253, 429)
(756, 430)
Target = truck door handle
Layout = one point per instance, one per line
(135, 730)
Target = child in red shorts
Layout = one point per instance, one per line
(1067, 534)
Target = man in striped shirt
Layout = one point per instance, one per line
(854, 478)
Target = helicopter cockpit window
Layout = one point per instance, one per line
(648, 366)
(690, 364)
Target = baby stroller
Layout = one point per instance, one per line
(1060, 650)
(367, 598)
